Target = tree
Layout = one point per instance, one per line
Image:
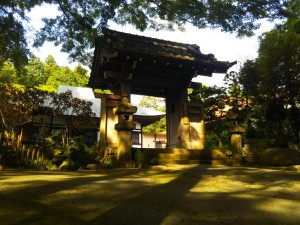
(65, 76)
(19, 104)
(213, 99)
(8, 73)
(34, 74)
(81, 21)
(158, 104)
(13, 108)
(273, 79)
(81, 77)
(45, 76)
(13, 43)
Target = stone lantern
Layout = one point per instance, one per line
(124, 127)
(236, 130)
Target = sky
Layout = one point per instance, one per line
(225, 46)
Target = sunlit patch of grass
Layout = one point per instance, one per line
(254, 186)
(187, 196)
(282, 207)
(218, 184)
(18, 182)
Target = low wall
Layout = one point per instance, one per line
(270, 152)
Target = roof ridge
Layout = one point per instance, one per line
(193, 46)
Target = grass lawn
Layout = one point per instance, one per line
(189, 195)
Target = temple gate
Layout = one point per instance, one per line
(131, 64)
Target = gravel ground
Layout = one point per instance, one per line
(183, 195)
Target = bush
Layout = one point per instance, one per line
(140, 158)
(225, 137)
(212, 142)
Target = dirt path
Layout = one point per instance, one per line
(169, 195)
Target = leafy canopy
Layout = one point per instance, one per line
(80, 21)
(13, 43)
(46, 76)
(272, 80)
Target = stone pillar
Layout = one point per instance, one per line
(235, 116)
(124, 148)
(236, 143)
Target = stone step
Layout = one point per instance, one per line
(181, 156)
(182, 161)
(178, 153)
(175, 156)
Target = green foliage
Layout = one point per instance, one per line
(248, 78)
(158, 104)
(45, 76)
(102, 91)
(225, 137)
(212, 142)
(14, 109)
(57, 75)
(107, 163)
(80, 21)
(213, 99)
(231, 79)
(19, 104)
(13, 43)
(71, 157)
(8, 73)
(34, 74)
(141, 159)
(157, 127)
(220, 142)
(81, 153)
(153, 103)
(272, 81)
(207, 95)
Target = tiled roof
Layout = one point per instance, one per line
(77, 92)
(82, 93)
(141, 111)
(154, 66)
(153, 46)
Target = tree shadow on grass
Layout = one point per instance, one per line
(201, 195)
(178, 202)
(151, 206)
(23, 203)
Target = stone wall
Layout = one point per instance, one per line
(269, 152)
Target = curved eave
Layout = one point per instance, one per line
(147, 120)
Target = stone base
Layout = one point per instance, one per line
(125, 164)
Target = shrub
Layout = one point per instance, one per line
(140, 158)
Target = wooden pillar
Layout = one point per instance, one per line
(202, 129)
(103, 121)
(184, 126)
(125, 89)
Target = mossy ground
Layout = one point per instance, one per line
(182, 195)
